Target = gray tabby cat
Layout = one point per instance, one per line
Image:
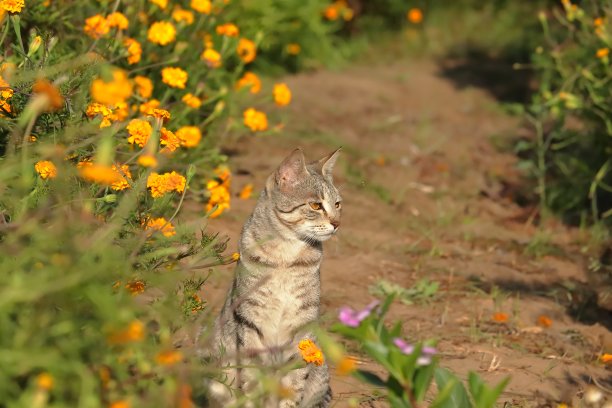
(277, 288)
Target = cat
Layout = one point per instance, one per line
(276, 290)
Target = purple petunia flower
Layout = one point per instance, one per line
(353, 318)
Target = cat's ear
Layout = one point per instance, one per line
(326, 164)
(292, 170)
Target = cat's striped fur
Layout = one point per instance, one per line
(276, 290)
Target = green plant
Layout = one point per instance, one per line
(422, 291)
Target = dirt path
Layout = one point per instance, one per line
(426, 196)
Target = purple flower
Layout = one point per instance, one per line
(353, 318)
(426, 352)
(403, 346)
(429, 350)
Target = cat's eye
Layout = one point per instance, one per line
(316, 206)
(337, 204)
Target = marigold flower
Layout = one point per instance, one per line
(44, 381)
(255, 120)
(208, 42)
(310, 352)
(159, 113)
(95, 109)
(180, 15)
(331, 12)
(100, 174)
(189, 136)
(148, 107)
(228, 29)
(346, 365)
(12, 6)
(124, 173)
(144, 86)
(219, 198)
(161, 225)
(544, 321)
(147, 160)
(606, 358)
(192, 101)
(45, 87)
(170, 357)
(251, 80)
(133, 333)
(46, 169)
(162, 33)
(160, 184)
(6, 92)
(119, 404)
(602, 52)
(120, 112)
(136, 287)
(174, 77)
(211, 57)
(119, 89)
(414, 15)
(134, 50)
(162, 4)
(235, 256)
(247, 50)
(169, 140)
(118, 20)
(96, 26)
(282, 94)
(201, 6)
(598, 22)
(140, 131)
(293, 49)
(246, 192)
(500, 317)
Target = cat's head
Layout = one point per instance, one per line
(304, 198)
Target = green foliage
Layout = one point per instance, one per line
(422, 291)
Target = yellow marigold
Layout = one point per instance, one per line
(134, 50)
(162, 4)
(282, 94)
(161, 33)
(246, 50)
(144, 86)
(180, 15)
(246, 192)
(133, 333)
(6, 92)
(346, 365)
(95, 109)
(169, 140)
(119, 89)
(211, 57)
(603, 52)
(99, 174)
(46, 169)
(235, 256)
(169, 357)
(12, 6)
(148, 107)
(119, 404)
(201, 6)
(228, 29)
(159, 113)
(160, 224)
(135, 287)
(251, 80)
(147, 160)
(293, 49)
(191, 100)
(44, 381)
(189, 136)
(219, 199)
(118, 20)
(174, 77)
(160, 184)
(414, 15)
(124, 174)
(208, 42)
(120, 112)
(255, 120)
(55, 100)
(96, 26)
(223, 173)
(310, 352)
(140, 131)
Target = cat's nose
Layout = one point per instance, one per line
(336, 224)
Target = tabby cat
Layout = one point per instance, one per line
(277, 288)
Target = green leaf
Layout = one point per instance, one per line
(484, 396)
(457, 395)
(369, 377)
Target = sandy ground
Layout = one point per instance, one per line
(427, 195)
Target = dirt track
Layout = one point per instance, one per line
(426, 195)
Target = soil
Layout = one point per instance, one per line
(428, 194)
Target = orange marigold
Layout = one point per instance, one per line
(134, 50)
(180, 15)
(174, 77)
(219, 199)
(117, 90)
(246, 192)
(247, 50)
(96, 26)
(95, 109)
(500, 317)
(169, 357)
(46, 169)
(201, 6)
(12, 6)
(346, 365)
(148, 107)
(140, 131)
(191, 100)
(310, 352)
(136, 287)
(211, 57)
(100, 174)
(282, 94)
(161, 225)
(189, 136)
(45, 87)
(118, 20)
(123, 171)
(162, 4)
(160, 184)
(544, 321)
(44, 381)
(169, 140)
(144, 86)
(133, 333)
(606, 358)
(603, 52)
(162, 33)
(293, 49)
(414, 15)
(147, 160)
(255, 120)
(228, 29)
(120, 404)
(251, 80)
